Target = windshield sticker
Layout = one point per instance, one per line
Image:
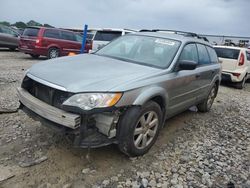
(166, 42)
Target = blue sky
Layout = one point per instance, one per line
(224, 17)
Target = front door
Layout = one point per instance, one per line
(183, 89)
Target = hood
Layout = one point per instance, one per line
(89, 72)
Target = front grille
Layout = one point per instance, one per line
(44, 93)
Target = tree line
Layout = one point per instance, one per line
(23, 25)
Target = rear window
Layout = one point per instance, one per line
(107, 35)
(50, 33)
(227, 53)
(32, 32)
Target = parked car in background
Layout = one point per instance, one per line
(9, 38)
(235, 64)
(124, 92)
(49, 42)
(97, 38)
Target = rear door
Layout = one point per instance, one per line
(207, 68)
(229, 58)
(29, 37)
(70, 43)
(102, 37)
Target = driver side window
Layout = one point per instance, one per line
(189, 53)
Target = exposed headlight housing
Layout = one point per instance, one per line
(89, 101)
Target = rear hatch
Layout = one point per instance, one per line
(28, 38)
(102, 37)
(229, 58)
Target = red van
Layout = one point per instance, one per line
(50, 42)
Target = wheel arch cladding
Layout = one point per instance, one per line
(156, 94)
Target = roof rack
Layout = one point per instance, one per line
(184, 33)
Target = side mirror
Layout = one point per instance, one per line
(187, 65)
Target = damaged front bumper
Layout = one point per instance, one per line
(89, 130)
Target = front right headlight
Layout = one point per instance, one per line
(89, 101)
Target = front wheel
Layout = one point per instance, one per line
(53, 53)
(206, 105)
(139, 128)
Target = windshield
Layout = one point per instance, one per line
(150, 51)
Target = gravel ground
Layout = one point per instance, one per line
(193, 150)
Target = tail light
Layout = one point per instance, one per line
(242, 59)
(39, 42)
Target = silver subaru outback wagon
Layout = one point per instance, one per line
(123, 93)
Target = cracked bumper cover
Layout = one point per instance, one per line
(66, 122)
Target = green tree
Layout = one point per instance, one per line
(47, 25)
(20, 25)
(33, 23)
(5, 23)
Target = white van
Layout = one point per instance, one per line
(235, 64)
(100, 37)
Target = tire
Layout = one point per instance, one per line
(12, 49)
(241, 85)
(135, 136)
(34, 56)
(53, 53)
(206, 105)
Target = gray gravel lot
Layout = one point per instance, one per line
(193, 150)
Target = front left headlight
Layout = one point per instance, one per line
(89, 101)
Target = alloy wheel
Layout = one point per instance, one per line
(211, 97)
(146, 129)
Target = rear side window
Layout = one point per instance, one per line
(107, 35)
(78, 38)
(189, 52)
(248, 56)
(203, 55)
(68, 36)
(227, 53)
(90, 36)
(31, 32)
(50, 33)
(212, 54)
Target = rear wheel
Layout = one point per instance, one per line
(241, 85)
(139, 128)
(53, 53)
(206, 105)
(34, 56)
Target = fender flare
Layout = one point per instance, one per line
(149, 93)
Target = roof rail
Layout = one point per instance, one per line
(130, 29)
(184, 33)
